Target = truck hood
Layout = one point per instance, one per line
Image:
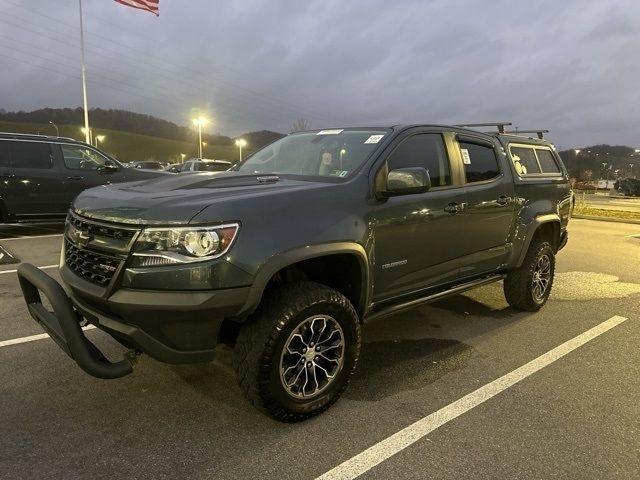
(176, 199)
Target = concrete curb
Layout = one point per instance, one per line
(607, 219)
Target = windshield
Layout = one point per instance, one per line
(324, 153)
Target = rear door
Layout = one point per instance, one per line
(33, 186)
(5, 176)
(489, 213)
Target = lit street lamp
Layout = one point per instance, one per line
(241, 142)
(56, 127)
(182, 155)
(199, 122)
(99, 138)
(89, 135)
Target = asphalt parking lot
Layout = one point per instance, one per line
(571, 413)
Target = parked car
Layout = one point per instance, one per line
(628, 186)
(287, 255)
(173, 167)
(40, 176)
(205, 165)
(147, 165)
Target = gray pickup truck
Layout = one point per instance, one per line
(287, 255)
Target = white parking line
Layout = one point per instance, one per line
(41, 268)
(397, 442)
(32, 338)
(24, 237)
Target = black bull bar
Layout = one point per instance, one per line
(63, 324)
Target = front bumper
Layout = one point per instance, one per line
(171, 326)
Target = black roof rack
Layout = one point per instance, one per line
(500, 125)
(538, 131)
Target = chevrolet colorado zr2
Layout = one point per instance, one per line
(285, 256)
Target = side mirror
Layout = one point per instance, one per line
(406, 181)
(108, 168)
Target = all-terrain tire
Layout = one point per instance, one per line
(520, 284)
(264, 337)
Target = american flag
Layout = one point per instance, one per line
(148, 5)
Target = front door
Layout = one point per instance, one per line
(418, 237)
(84, 168)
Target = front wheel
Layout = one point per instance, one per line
(295, 355)
(528, 287)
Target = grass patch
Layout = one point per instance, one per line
(601, 212)
(130, 146)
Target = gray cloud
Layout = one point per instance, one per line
(569, 66)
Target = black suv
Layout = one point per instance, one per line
(286, 256)
(40, 176)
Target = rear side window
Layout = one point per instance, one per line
(4, 154)
(547, 162)
(524, 160)
(423, 150)
(35, 155)
(480, 162)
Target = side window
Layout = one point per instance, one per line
(547, 162)
(480, 162)
(423, 150)
(524, 160)
(4, 154)
(81, 158)
(35, 155)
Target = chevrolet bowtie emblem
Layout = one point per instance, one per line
(82, 238)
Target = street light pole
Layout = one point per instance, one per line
(200, 121)
(56, 127)
(87, 133)
(241, 142)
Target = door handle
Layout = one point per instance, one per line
(75, 178)
(452, 208)
(503, 199)
(7, 175)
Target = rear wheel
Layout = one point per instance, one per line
(294, 356)
(528, 287)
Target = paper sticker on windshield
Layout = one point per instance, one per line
(374, 139)
(466, 159)
(330, 132)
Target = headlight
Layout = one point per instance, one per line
(164, 246)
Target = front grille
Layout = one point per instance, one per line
(93, 266)
(96, 229)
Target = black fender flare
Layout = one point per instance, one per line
(533, 228)
(282, 260)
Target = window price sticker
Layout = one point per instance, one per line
(374, 139)
(466, 159)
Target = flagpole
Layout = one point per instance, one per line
(87, 132)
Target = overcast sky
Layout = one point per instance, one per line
(572, 66)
